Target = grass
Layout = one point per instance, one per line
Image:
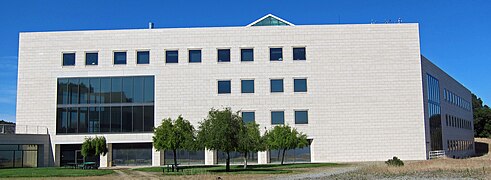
(238, 169)
(51, 172)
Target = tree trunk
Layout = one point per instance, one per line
(227, 163)
(283, 156)
(245, 160)
(175, 161)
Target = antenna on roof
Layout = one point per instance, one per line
(399, 20)
(150, 25)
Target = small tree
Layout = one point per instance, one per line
(220, 131)
(174, 135)
(283, 138)
(250, 140)
(94, 146)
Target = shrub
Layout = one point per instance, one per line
(394, 162)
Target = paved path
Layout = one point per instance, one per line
(317, 175)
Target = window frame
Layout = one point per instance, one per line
(218, 86)
(271, 116)
(248, 111)
(200, 53)
(91, 52)
(271, 85)
(229, 55)
(63, 58)
(306, 84)
(304, 55)
(241, 55)
(114, 57)
(139, 51)
(295, 116)
(253, 86)
(276, 47)
(173, 50)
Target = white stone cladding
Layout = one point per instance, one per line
(364, 99)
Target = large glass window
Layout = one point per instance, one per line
(300, 85)
(119, 57)
(299, 54)
(248, 117)
(433, 90)
(171, 57)
(276, 54)
(277, 117)
(185, 157)
(194, 56)
(91, 58)
(247, 55)
(236, 157)
(108, 104)
(224, 55)
(297, 155)
(143, 57)
(13, 155)
(247, 86)
(276, 85)
(134, 154)
(68, 59)
(224, 87)
(301, 117)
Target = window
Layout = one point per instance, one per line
(301, 117)
(143, 57)
(300, 85)
(276, 85)
(119, 57)
(224, 55)
(247, 86)
(276, 54)
(68, 59)
(277, 117)
(91, 59)
(224, 87)
(247, 55)
(194, 56)
(299, 54)
(248, 117)
(171, 56)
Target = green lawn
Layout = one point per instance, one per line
(238, 169)
(51, 172)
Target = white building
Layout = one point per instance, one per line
(361, 92)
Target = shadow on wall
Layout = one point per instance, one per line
(482, 148)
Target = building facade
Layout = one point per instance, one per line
(361, 92)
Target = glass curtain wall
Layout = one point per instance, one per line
(236, 157)
(135, 154)
(25, 155)
(185, 157)
(434, 113)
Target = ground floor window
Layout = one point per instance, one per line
(18, 156)
(298, 155)
(185, 157)
(236, 157)
(134, 154)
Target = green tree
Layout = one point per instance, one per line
(221, 131)
(174, 135)
(94, 146)
(482, 117)
(283, 137)
(250, 140)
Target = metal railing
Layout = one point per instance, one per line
(22, 129)
(7, 128)
(437, 154)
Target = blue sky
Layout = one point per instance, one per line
(455, 34)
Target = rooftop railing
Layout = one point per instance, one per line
(22, 129)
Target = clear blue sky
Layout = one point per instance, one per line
(455, 34)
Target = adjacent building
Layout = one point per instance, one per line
(361, 92)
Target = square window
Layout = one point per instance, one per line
(171, 56)
(276, 85)
(301, 117)
(224, 55)
(119, 57)
(68, 59)
(247, 86)
(248, 117)
(143, 57)
(91, 58)
(276, 54)
(277, 117)
(300, 85)
(299, 54)
(224, 87)
(247, 55)
(194, 56)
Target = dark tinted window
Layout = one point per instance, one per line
(224, 55)
(171, 56)
(105, 90)
(94, 90)
(247, 55)
(300, 85)
(127, 95)
(68, 59)
(116, 89)
(63, 91)
(301, 117)
(138, 118)
(224, 87)
(143, 57)
(194, 56)
(148, 118)
(105, 119)
(276, 85)
(277, 117)
(83, 90)
(73, 90)
(299, 54)
(93, 120)
(91, 59)
(148, 90)
(276, 54)
(248, 117)
(247, 86)
(115, 119)
(83, 116)
(119, 57)
(127, 119)
(138, 89)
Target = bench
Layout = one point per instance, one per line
(169, 167)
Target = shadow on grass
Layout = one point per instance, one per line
(481, 148)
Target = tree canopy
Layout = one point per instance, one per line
(250, 140)
(283, 137)
(482, 118)
(94, 146)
